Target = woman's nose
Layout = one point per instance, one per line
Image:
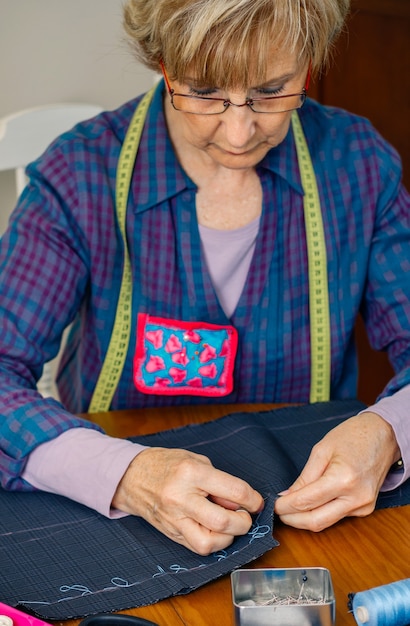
(239, 123)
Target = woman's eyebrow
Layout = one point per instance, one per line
(277, 79)
(195, 82)
(192, 80)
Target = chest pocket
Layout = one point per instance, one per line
(173, 357)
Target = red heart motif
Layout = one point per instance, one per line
(173, 344)
(177, 375)
(154, 364)
(223, 378)
(191, 335)
(207, 354)
(195, 382)
(154, 337)
(180, 357)
(162, 382)
(225, 348)
(210, 371)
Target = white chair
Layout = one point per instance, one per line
(23, 137)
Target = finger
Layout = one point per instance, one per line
(318, 518)
(231, 492)
(324, 502)
(326, 515)
(196, 537)
(233, 506)
(318, 483)
(204, 519)
(227, 504)
(219, 519)
(202, 540)
(188, 533)
(316, 466)
(308, 497)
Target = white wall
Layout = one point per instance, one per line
(63, 51)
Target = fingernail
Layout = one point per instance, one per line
(284, 493)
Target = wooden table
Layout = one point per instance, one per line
(359, 552)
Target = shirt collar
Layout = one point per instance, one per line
(166, 178)
(282, 160)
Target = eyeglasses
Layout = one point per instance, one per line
(203, 105)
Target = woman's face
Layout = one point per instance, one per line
(237, 138)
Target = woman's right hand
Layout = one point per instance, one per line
(182, 495)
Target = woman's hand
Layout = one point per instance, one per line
(343, 474)
(187, 499)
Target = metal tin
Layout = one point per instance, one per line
(283, 597)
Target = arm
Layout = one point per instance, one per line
(343, 475)
(178, 492)
(348, 468)
(46, 263)
(182, 495)
(52, 450)
(43, 279)
(395, 411)
(83, 465)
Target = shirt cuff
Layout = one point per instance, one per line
(395, 409)
(83, 465)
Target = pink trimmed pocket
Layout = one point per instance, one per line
(173, 357)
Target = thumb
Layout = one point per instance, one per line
(315, 468)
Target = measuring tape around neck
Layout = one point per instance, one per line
(317, 267)
(114, 361)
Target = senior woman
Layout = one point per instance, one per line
(208, 239)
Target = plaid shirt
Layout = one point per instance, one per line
(61, 262)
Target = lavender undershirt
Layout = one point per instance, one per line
(228, 255)
(86, 465)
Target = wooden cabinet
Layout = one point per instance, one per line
(370, 75)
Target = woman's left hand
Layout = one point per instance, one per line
(343, 474)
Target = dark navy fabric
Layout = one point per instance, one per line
(61, 560)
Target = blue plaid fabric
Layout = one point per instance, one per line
(61, 262)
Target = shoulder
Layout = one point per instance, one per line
(87, 152)
(109, 127)
(327, 118)
(98, 139)
(328, 125)
(338, 136)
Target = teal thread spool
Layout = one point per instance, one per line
(388, 605)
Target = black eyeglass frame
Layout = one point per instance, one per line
(227, 103)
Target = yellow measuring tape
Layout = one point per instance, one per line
(317, 268)
(117, 349)
(318, 287)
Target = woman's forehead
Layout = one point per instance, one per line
(279, 68)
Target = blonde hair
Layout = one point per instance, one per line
(225, 42)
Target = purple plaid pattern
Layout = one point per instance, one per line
(61, 262)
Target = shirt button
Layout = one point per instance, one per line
(187, 196)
